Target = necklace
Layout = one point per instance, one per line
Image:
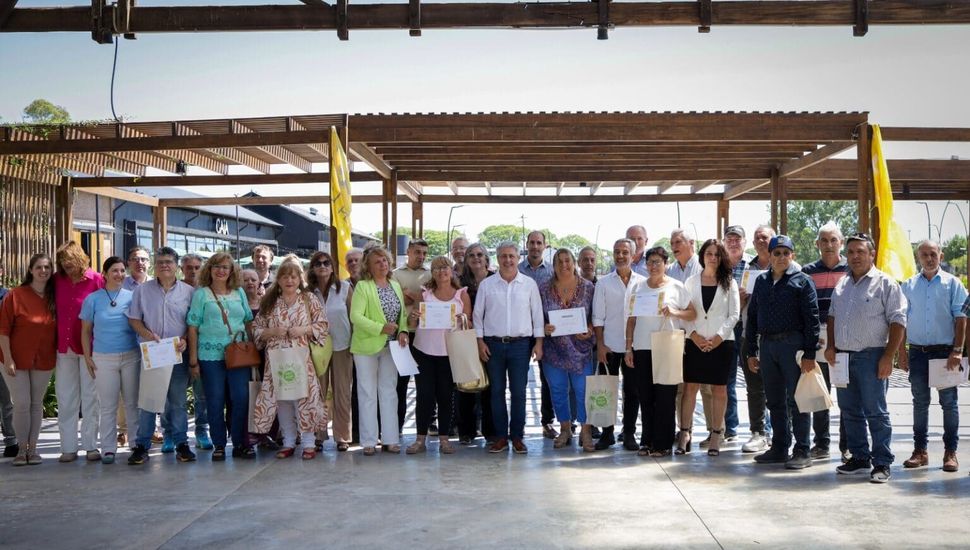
(113, 301)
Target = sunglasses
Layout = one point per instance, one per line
(324, 263)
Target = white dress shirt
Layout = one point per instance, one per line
(505, 308)
(610, 308)
(675, 294)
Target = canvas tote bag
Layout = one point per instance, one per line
(667, 350)
(601, 397)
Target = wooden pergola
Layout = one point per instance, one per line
(493, 158)
(105, 21)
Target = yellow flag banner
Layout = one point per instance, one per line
(340, 202)
(894, 255)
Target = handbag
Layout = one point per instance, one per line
(466, 367)
(240, 354)
(811, 395)
(601, 397)
(667, 353)
(320, 354)
(288, 368)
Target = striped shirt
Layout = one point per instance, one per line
(825, 279)
(693, 267)
(863, 310)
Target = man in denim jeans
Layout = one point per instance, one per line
(867, 320)
(935, 330)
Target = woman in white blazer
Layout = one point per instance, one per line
(710, 342)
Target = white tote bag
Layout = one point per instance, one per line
(667, 352)
(811, 395)
(601, 398)
(289, 368)
(462, 346)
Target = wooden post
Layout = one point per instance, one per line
(773, 205)
(64, 210)
(385, 200)
(783, 205)
(159, 226)
(723, 217)
(864, 184)
(420, 217)
(392, 190)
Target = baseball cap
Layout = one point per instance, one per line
(781, 240)
(735, 230)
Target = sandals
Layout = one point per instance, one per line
(393, 448)
(370, 451)
(660, 454)
(564, 438)
(445, 447)
(219, 454)
(244, 452)
(712, 450)
(309, 454)
(418, 446)
(644, 451)
(683, 441)
(285, 452)
(343, 446)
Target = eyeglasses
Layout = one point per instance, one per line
(655, 263)
(165, 262)
(324, 263)
(476, 255)
(440, 269)
(222, 267)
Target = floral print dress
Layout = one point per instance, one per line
(311, 415)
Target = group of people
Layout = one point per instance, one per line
(87, 326)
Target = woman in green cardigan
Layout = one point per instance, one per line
(378, 317)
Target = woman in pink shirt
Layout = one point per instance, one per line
(434, 382)
(73, 384)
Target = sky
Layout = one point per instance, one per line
(903, 76)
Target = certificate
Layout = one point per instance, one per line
(568, 321)
(748, 278)
(163, 353)
(646, 303)
(941, 379)
(839, 372)
(403, 360)
(436, 315)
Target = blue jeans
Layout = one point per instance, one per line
(201, 414)
(215, 378)
(780, 373)
(509, 360)
(919, 380)
(731, 420)
(568, 391)
(864, 402)
(175, 411)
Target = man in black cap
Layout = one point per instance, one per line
(782, 323)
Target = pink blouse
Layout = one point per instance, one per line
(432, 341)
(68, 297)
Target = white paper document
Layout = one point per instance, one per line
(941, 379)
(568, 321)
(403, 359)
(436, 315)
(839, 372)
(748, 279)
(163, 353)
(647, 303)
(153, 388)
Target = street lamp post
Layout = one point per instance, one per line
(929, 230)
(450, 212)
(456, 226)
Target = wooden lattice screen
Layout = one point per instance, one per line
(27, 223)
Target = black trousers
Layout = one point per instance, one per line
(657, 404)
(631, 405)
(821, 419)
(475, 414)
(434, 388)
(757, 402)
(547, 415)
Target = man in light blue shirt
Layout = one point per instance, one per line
(935, 329)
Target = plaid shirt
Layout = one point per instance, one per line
(739, 268)
(966, 307)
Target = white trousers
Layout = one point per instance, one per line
(116, 372)
(290, 425)
(76, 394)
(377, 382)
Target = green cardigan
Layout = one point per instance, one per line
(368, 319)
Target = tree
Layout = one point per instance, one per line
(492, 235)
(41, 111)
(806, 217)
(438, 244)
(955, 247)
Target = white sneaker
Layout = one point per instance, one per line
(756, 444)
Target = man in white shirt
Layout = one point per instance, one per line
(609, 323)
(508, 315)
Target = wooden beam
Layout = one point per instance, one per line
(863, 183)
(576, 176)
(246, 180)
(125, 131)
(122, 195)
(595, 187)
(228, 153)
(782, 205)
(723, 217)
(630, 187)
(665, 186)
(811, 159)
(64, 210)
(156, 143)
(924, 134)
(159, 227)
(580, 15)
(370, 158)
(276, 151)
(488, 188)
(900, 170)
(393, 197)
(736, 190)
(447, 149)
(319, 148)
(263, 200)
(566, 199)
(453, 187)
(700, 187)
(6, 8)
(773, 202)
(405, 188)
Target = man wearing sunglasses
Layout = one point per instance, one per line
(867, 320)
(783, 321)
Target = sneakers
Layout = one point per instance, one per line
(772, 457)
(67, 457)
(33, 457)
(202, 441)
(854, 466)
(798, 461)
(138, 456)
(183, 453)
(846, 456)
(168, 445)
(518, 447)
(950, 462)
(919, 458)
(880, 474)
(92, 456)
(756, 444)
(820, 453)
(20, 459)
(108, 458)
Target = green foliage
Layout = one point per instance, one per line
(50, 400)
(438, 244)
(805, 217)
(662, 241)
(41, 111)
(955, 247)
(572, 242)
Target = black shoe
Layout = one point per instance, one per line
(244, 452)
(465, 440)
(605, 442)
(596, 433)
(854, 466)
(139, 455)
(880, 474)
(619, 438)
(798, 461)
(433, 429)
(183, 453)
(219, 454)
(820, 453)
(630, 444)
(11, 451)
(772, 457)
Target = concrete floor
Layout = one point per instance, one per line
(547, 499)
